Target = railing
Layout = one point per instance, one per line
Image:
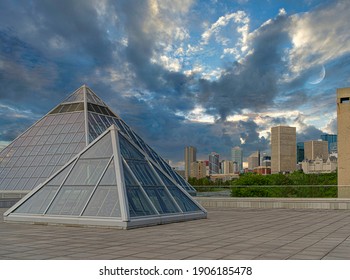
(297, 191)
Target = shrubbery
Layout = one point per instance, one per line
(296, 184)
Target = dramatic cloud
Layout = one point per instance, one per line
(213, 74)
(251, 84)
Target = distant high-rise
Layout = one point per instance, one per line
(300, 151)
(198, 169)
(343, 117)
(254, 160)
(214, 163)
(283, 149)
(227, 167)
(237, 156)
(332, 140)
(190, 156)
(314, 149)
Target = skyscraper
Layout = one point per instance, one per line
(283, 149)
(237, 156)
(332, 140)
(314, 149)
(190, 156)
(254, 160)
(343, 117)
(198, 169)
(300, 152)
(214, 163)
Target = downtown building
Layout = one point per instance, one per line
(237, 157)
(198, 169)
(214, 163)
(190, 157)
(316, 149)
(283, 149)
(332, 140)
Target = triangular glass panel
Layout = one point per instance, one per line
(161, 200)
(105, 200)
(70, 200)
(77, 96)
(102, 150)
(128, 151)
(143, 173)
(93, 98)
(139, 204)
(38, 203)
(186, 204)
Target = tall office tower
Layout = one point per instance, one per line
(343, 113)
(214, 163)
(237, 156)
(314, 149)
(190, 156)
(254, 160)
(300, 152)
(283, 149)
(227, 167)
(198, 169)
(332, 140)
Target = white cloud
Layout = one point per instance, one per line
(170, 63)
(237, 17)
(319, 36)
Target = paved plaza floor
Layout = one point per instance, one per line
(227, 234)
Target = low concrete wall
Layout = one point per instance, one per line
(269, 203)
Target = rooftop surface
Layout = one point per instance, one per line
(241, 233)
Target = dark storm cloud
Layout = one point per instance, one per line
(309, 133)
(47, 50)
(172, 88)
(251, 84)
(62, 29)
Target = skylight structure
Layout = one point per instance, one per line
(112, 182)
(52, 141)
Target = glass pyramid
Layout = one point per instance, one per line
(112, 182)
(48, 144)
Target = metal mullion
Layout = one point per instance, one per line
(98, 182)
(60, 187)
(86, 117)
(118, 165)
(166, 188)
(93, 128)
(142, 189)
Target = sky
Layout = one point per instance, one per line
(212, 74)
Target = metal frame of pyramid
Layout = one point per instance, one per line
(48, 144)
(112, 182)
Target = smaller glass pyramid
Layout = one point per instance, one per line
(112, 182)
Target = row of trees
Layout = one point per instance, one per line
(296, 184)
(295, 178)
(251, 179)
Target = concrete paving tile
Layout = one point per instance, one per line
(227, 234)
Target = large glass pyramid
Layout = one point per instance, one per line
(112, 182)
(48, 144)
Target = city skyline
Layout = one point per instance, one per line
(211, 74)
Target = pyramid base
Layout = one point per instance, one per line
(102, 222)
